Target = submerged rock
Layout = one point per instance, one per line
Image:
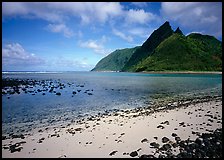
(58, 93)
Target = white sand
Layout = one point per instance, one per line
(106, 136)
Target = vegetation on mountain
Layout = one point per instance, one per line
(115, 61)
(166, 50)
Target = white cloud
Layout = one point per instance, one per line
(60, 28)
(206, 16)
(139, 16)
(122, 35)
(71, 64)
(140, 4)
(15, 54)
(96, 45)
(87, 12)
(60, 11)
(141, 31)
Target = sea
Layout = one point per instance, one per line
(95, 92)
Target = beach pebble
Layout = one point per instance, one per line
(174, 135)
(165, 139)
(155, 138)
(154, 144)
(112, 153)
(144, 140)
(165, 122)
(41, 140)
(181, 123)
(134, 154)
(160, 126)
(166, 147)
(177, 139)
(147, 156)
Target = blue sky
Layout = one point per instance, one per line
(74, 36)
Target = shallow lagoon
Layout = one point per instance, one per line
(100, 91)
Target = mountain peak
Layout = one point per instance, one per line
(179, 31)
(163, 32)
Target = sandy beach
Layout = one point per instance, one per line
(127, 133)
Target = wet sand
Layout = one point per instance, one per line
(127, 133)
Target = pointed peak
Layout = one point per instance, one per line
(179, 31)
(166, 24)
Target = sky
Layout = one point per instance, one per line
(74, 36)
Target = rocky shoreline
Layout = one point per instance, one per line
(198, 135)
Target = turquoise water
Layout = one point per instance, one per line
(109, 90)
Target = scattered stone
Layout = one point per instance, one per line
(210, 120)
(74, 92)
(18, 136)
(177, 139)
(3, 137)
(174, 135)
(15, 148)
(134, 154)
(160, 126)
(144, 140)
(165, 139)
(154, 144)
(41, 140)
(165, 122)
(181, 123)
(58, 93)
(112, 153)
(166, 147)
(78, 129)
(155, 138)
(147, 156)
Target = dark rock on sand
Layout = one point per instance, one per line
(160, 126)
(15, 147)
(166, 147)
(177, 139)
(147, 156)
(144, 140)
(134, 154)
(154, 144)
(165, 139)
(3, 137)
(18, 136)
(165, 122)
(112, 153)
(155, 138)
(181, 123)
(41, 140)
(174, 135)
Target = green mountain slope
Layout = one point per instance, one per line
(149, 45)
(166, 50)
(115, 61)
(195, 52)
